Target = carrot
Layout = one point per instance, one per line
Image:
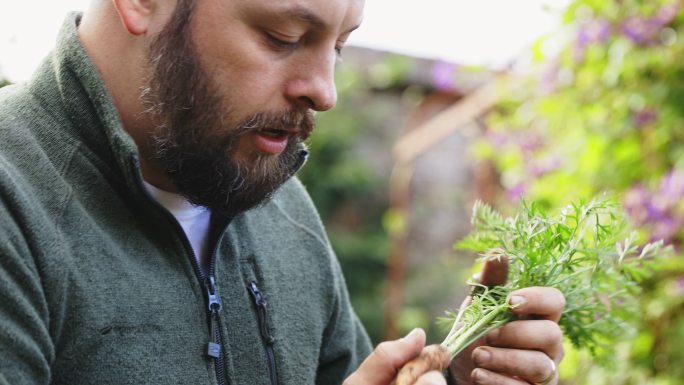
(432, 357)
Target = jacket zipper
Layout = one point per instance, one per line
(214, 346)
(215, 343)
(266, 336)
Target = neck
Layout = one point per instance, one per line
(121, 59)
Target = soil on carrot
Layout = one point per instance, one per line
(432, 357)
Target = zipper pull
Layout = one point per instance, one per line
(214, 304)
(261, 304)
(213, 301)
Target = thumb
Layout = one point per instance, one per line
(494, 271)
(381, 366)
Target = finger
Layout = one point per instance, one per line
(381, 366)
(530, 365)
(481, 376)
(462, 365)
(494, 272)
(543, 335)
(541, 302)
(431, 378)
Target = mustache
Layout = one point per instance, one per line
(301, 121)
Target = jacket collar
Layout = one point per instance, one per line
(67, 81)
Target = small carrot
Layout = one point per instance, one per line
(432, 357)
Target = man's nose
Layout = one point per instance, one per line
(313, 86)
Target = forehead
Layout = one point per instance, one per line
(329, 14)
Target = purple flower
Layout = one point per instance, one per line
(516, 192)
(635, 201)
(654, 211)
(645, 31)
(593, 32)
(679, 285)
(639, 30)
(644, 117)
(443, 75)
(543, 166)
(596, 31)
(549, 76)
(530, 142)
(672, 186)
(498, 140)
(661, 211)
(667, 13)
(664, 229)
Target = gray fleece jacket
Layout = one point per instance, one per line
(98, 284)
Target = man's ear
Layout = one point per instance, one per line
(135, 15)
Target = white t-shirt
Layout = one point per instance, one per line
(193, 219)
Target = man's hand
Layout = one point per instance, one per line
(381, 367)
(525, 351)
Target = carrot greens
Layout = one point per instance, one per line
(585, 251)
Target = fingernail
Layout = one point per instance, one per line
(479, 376)
(517, 301)
(482, 357)
(412, 333)
(493, 335)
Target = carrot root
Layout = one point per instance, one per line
(432, 357)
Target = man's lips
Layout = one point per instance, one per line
(272, 141)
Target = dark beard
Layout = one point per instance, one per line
(192, 145)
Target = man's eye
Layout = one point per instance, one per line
(282, 44)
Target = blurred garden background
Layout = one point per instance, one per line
(596, 105)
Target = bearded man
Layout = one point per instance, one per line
(151, 229)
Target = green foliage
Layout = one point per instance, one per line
(605, 113)
(584, 251)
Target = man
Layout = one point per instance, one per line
(151, 230)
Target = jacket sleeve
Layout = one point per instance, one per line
(345, 342)
(26, 348)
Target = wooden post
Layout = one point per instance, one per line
(400, 203)
(422, 133)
